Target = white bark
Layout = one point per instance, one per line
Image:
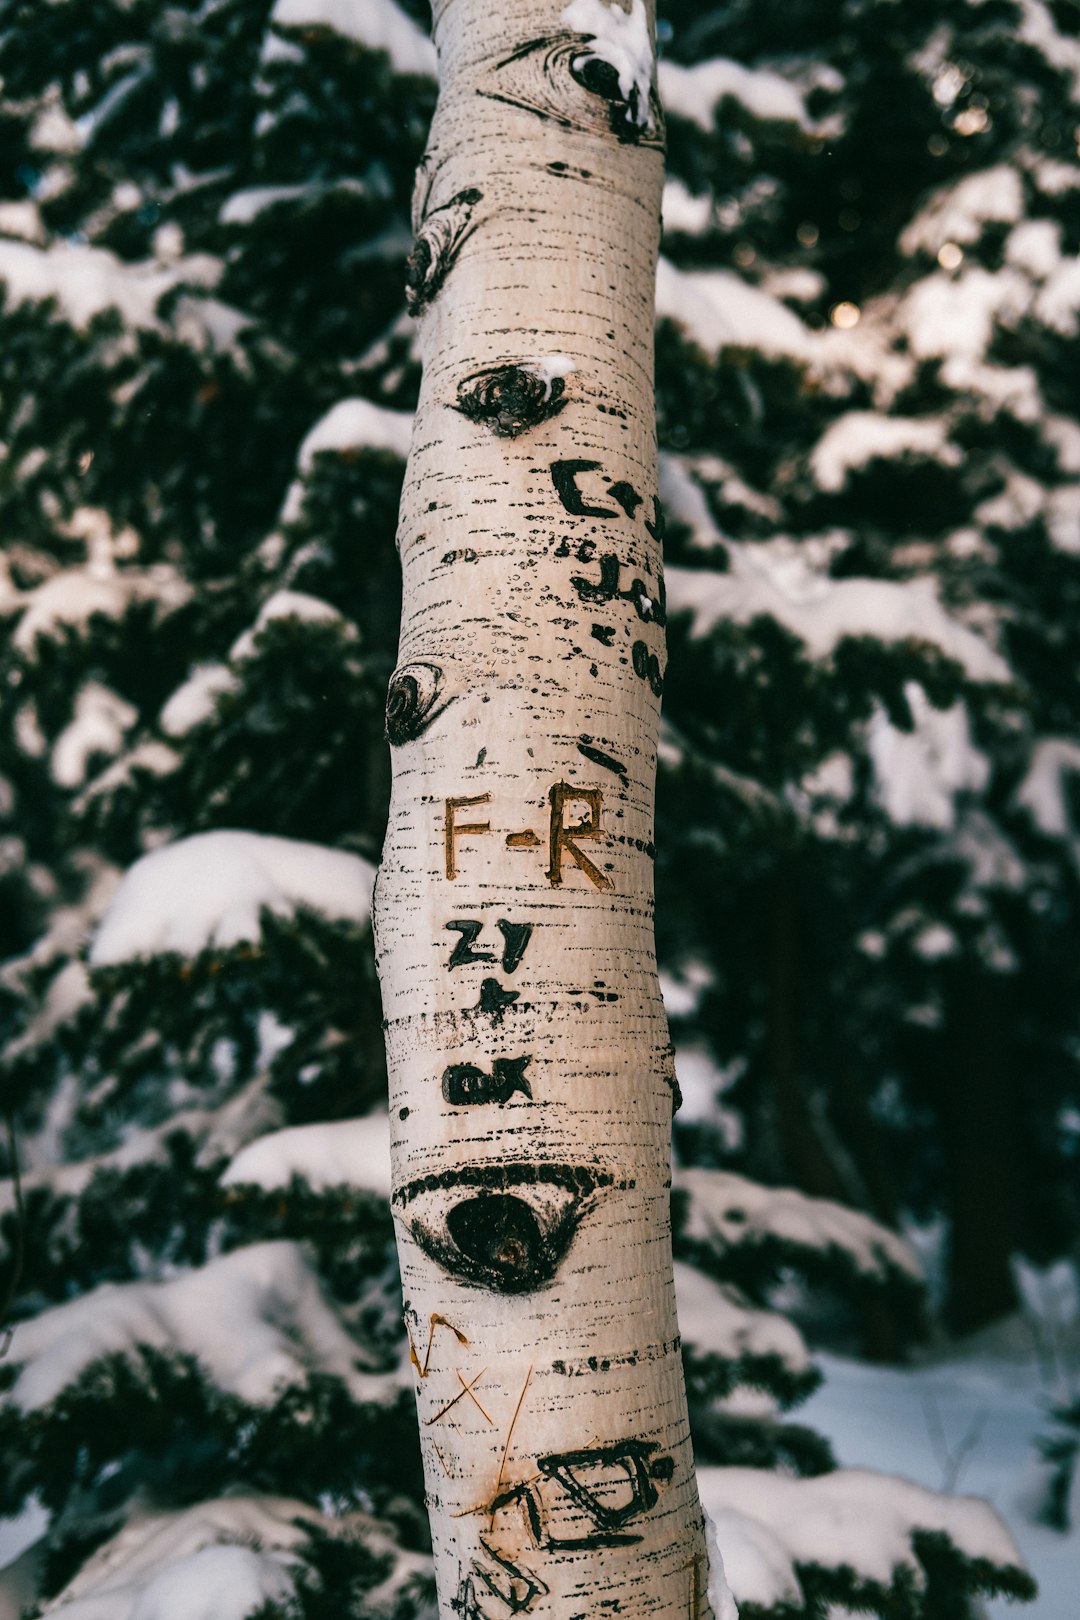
(530, 1069)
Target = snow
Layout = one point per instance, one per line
(22, 219)
(858, 436)
(150, 755)
(719, 311)
(195, 700)
(379, 25)
(245, 206)
(85, 281)
(727, 1209)
(255, 1319)
(1035, 247)
(857, 1518)
(952, 318)
(694, 93)
(713, 1319)
(197, 1564)
(779, 579)
(757, 1566)
(1058, 302)
(344, 1153)
(958, 213)
(683, 212)
(1042, 793)
(99, 725)
(209, 890)
(357, 424)
(969, 1415)
(215, 1583)
(1063, 518)
(702, 1084)
(73, 596)
(214, 1133)
(68, 991)
(620, 38)
(918, 774)
(287, 605)
(547, 367)
(721, 1601)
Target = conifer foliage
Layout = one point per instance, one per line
(867, 845)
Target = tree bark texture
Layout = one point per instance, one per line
(531, 1077)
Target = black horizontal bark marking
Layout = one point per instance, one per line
(598, 757)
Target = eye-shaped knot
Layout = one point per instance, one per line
(509, 399)
(506, 1227)
(439, 240)
(547, 77)
(415, 696)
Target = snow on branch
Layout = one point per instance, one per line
(777, 580)
(255, 1320)
(858, 437)
(725, 1212)
(226, 1557)
(343, 1153)
(211, 889)
(695, 93)
(357, 424)
(855, 1537)
(378, 25)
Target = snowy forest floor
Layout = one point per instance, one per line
(964, 1420)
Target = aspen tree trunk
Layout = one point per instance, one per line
(530, 1069)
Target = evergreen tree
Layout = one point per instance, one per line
(206, 379)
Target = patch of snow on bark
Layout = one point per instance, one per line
(209, 890)
(357, 424)
(620, 38)
(858, 436)
(377, 24)
(101, 720)
(255, 1320)
(344, 1153)
(695, 92)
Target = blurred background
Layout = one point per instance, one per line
(868, 828)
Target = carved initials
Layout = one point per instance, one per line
(562, 838)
